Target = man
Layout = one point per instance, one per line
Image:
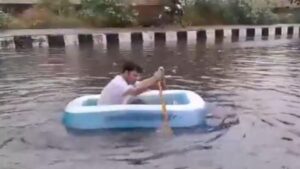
(124, 86)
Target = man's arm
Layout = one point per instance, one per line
(155, 86)
(142, 86)
(145, 84)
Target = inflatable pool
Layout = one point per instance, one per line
(185, 109)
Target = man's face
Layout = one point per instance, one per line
(132, 76)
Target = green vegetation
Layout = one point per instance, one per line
(47, 14)
(229, 12)
(107, 13)
(3, 19)
(115, 13)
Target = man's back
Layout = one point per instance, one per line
(113, 92)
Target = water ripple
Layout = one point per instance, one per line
(254, 118)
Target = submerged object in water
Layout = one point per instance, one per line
(185, 108)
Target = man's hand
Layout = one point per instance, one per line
(159, 74)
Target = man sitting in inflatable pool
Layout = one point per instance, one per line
(123, 87)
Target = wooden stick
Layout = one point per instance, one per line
(166, 126)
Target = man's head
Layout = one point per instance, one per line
(131, 72)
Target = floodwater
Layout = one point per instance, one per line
(255, 86)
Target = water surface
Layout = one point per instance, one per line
(256, 81)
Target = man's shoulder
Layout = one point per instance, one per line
(118, 80)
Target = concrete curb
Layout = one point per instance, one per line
(211, 35)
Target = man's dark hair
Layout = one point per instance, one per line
(131, 66)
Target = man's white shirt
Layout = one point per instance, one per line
(113, 92)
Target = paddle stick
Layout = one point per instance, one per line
(166, 127)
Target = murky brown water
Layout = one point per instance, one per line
(257, 81)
